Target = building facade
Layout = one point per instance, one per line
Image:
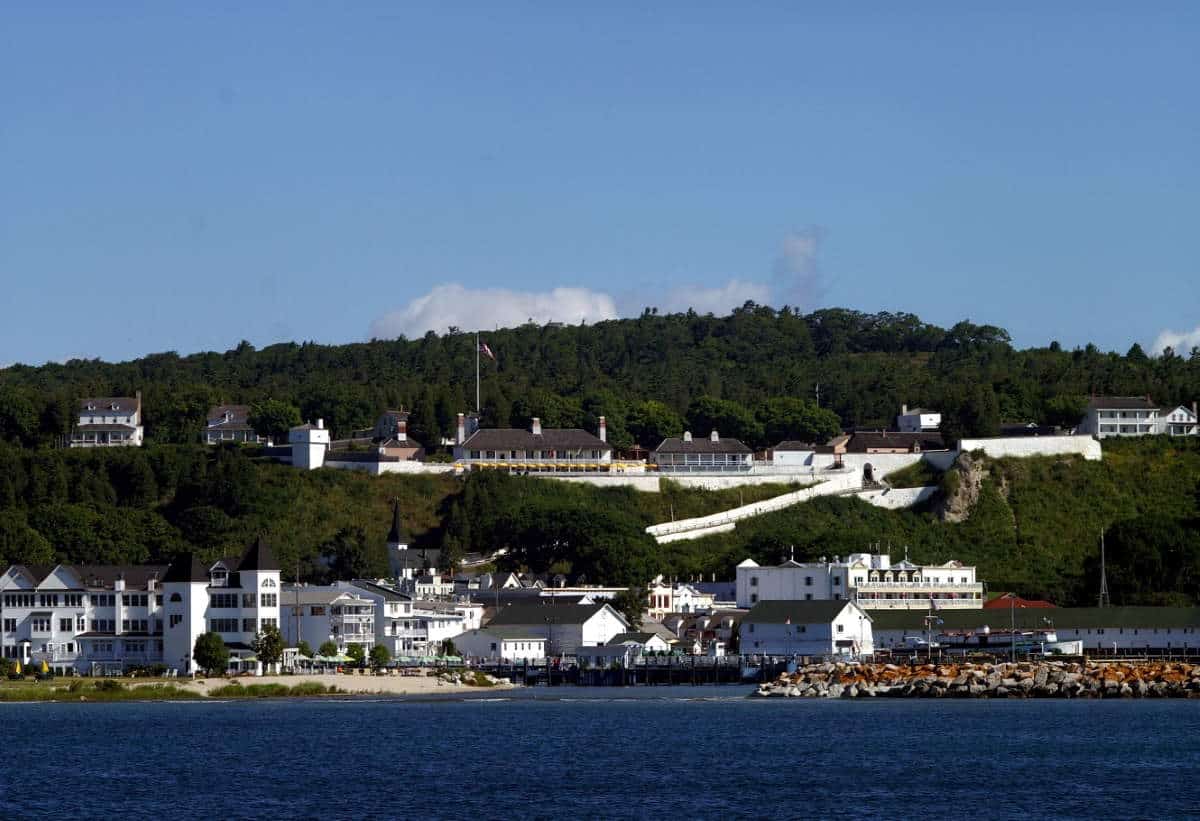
(535, 450)
(869, 579)
(915, 420)
(710, 455)
(563, 626)
(1181, 421)
(229, 423)
(317, 615)
(807, 628)
(109, 422)
(1108, 416)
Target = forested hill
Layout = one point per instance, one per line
(648, 375)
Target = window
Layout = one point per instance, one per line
(248, 600)
(270, 599)
(837, 581)
(176, 619)
(841, 628)
(223, 625)
(248, 625)
(223, 601)
(754, 581)
(175, 597)
(751, 627)
(753, 598)
(269, 583)
(10, 625)
(73, 600)
(270, 622)
(66, 625)
(41, 625)
(316, 610)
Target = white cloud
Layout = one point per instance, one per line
(478, 308)
(1181, 342)
(719, 300)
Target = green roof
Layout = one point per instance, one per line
(1063, 618)
(796, 612)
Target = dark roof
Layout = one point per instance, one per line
(187, 568)
(863, 441)
(545, 613)
(640, 638)
(548, 439)
(105, 575)
(37, 572)
(1121, 403)
(103, 427)
(799, 612)
(104, 404)
(396, 534)
(704, 444)
(388, 593)
(794, 444)
(1063, 618)
(258, 557)
(240, 417)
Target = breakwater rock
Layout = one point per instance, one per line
(1023, 679)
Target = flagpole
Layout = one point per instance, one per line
(477, 371)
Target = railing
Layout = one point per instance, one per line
(921, 603)
(908, 587)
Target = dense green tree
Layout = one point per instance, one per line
(274, 418)
(632, 604)
(356, 654)
(268, 645)
(790, 418)
(211, 654)
(350, 554)
(651, 421)
(730, 419)
(327, 649)
(380, 656)
(304, 649)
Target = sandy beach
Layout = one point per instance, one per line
(357, 685)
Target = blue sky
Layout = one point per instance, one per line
(183, 176)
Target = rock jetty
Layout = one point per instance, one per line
(1024, 679)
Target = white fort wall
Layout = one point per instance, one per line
(1022, 446)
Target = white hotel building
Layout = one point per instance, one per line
(100, 620)
(869, 579)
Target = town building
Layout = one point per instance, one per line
(1105, 629)
(229, 423)
(109, 421)
(869, 579)
(665, 597)
(500, 644)
(916, 420)
(564, 626)
(710, 455)
(807, 628)
(397, 627)
(317, 615)
(234, 598)
(1119, 416)
(535, 450)
(84, 619)
(1182, 421)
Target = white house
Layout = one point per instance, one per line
(229, 423)
(916, 420)
(317, 615)
(676, 597)
(397, 627)
(109, 421)
(1119, 416)
(1181, 421)
(82, 618)
(869, 579)
(500, 644)
(234, 598)
(793, 453)
(535, 450)
(564, 626)
(807, 628)
(711, 455)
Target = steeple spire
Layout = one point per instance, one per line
(396, 535)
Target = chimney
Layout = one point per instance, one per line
(603, 430)
(687, 436)
(535, 426)
(714, 437)
(461, 436)
(402, 430)
(904, 410)
(321, 424)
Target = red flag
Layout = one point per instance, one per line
(486, 351)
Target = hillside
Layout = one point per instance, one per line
(1034, 527)
(650, 376)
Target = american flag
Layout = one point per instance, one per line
(486, 351)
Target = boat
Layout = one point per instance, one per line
(1023, 640)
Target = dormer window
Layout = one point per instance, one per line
(91, 406)
(115, 406)
(219, 577)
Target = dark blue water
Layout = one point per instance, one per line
(678, 753)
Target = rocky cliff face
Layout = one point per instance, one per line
(961, 485)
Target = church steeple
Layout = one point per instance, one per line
(396, 534)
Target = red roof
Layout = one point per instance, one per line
(1005, 602)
